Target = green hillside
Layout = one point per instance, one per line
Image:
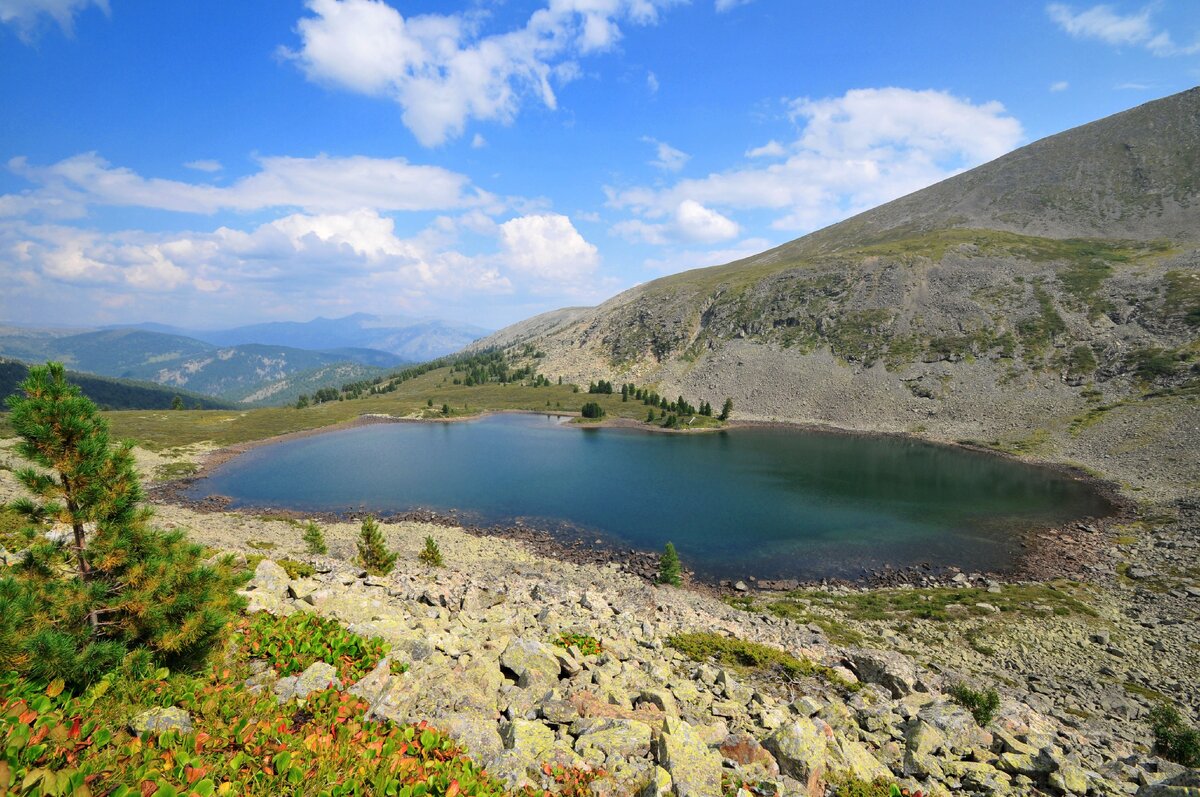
(114, 394)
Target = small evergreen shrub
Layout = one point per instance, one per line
(314, 539)
(592, 410)
(431, 554)
(373, 554)
(1174, 739)
(296, 569)
(981, 704)
(669, 569)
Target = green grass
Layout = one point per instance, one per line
(1063, 598)
(175, 470)
(1181, 295)
(748, 658)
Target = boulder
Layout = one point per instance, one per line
(529, 739)
(800, 749)
(1185, 784)
(891, 670)
(158, 720)
(269, 578)
(476, 731)
(317, 677)
(745, 751)
(533, 663)
(695, 769)
(613, 737)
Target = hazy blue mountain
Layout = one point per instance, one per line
(409, 339)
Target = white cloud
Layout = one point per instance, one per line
(547, 246)
(652, 82)
(667, 157)
(441, 71)
(727, 5)
(27, 15)
(772, 149)
(1059, 85)
(1104, 23)
(478, 142)
(690, 222)
(320, 184)
(204, 165)
(851, 153)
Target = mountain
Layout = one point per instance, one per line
(410, 340)
(286, 390)
(234, 373)
(1006, 302)
(113, 394)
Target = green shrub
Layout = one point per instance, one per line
(314, 539)
(431, 554)
(296, 569)
(1174, 739)
(982, 705)
(373, 554)
(292, 643)
(592, 410)
(669, 569)
(588, 645)
(750, 657)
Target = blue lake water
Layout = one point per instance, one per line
(768, 502)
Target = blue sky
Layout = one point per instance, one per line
(209, 164)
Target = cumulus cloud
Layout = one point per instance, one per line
(442, 71)
(667, 157)
(547, 246)
(1059, 85)
(320, 184)
(27, 16)
(772, 149)
(691, 222)
(851, 153)
(1105, 24)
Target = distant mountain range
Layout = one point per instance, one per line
(410, 339)
(252, 365)
(113, 394)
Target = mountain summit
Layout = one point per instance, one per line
(1003, 303)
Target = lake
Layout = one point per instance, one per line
(767, 502)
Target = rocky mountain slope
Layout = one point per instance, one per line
(1025, 304)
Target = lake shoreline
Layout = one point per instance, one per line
(1074, 550)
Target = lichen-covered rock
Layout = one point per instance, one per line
(533, 663)
(800, 748)
(528, 738)
(1069, 779)
(613, 737)
(1185, 784)
(956, 723)
(269, 578)
(891, 670)
(921, 742)
(479, 733)
(695, 769)
(847, 755)
(158, 720)
(745, 751)
(316, 677)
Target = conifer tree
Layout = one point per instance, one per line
(373, 554)
(431, 554)
(314, 539)
(669, 569)
(726, 410)
(126, 587)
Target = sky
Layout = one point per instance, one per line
(229, 162)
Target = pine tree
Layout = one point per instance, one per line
(431, 554)
(373, 554)
(726, 410)
(126, 587)
(669, 569)
(177, 402)
(314, 539)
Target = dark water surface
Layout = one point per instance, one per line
(769, 502)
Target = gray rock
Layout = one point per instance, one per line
(890, 670)
(158, 720)
(269, 578)
(533, 663)
(799, 748)
(317, 677)
(479, 733)
(1185, 784)
(695, 769)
